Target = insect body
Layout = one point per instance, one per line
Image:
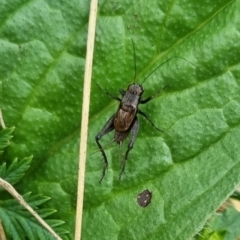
(125, 121)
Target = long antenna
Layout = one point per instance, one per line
(135, 64)
(163, 64)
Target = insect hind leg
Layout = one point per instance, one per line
(108, 127)
(134, 132)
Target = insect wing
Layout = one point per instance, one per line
(124, 117)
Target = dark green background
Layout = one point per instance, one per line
(190, 169)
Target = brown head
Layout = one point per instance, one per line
(135, 89)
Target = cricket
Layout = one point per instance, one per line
(125, 121)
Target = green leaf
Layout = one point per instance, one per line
(223, 226)
(18, 223)
(236, 195)
(190, 169)
(16, 170)
(5, 136)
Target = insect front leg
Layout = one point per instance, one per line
(134, 132)
(153, 96)
(147, 117)
(109, 94)
(106, 129)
